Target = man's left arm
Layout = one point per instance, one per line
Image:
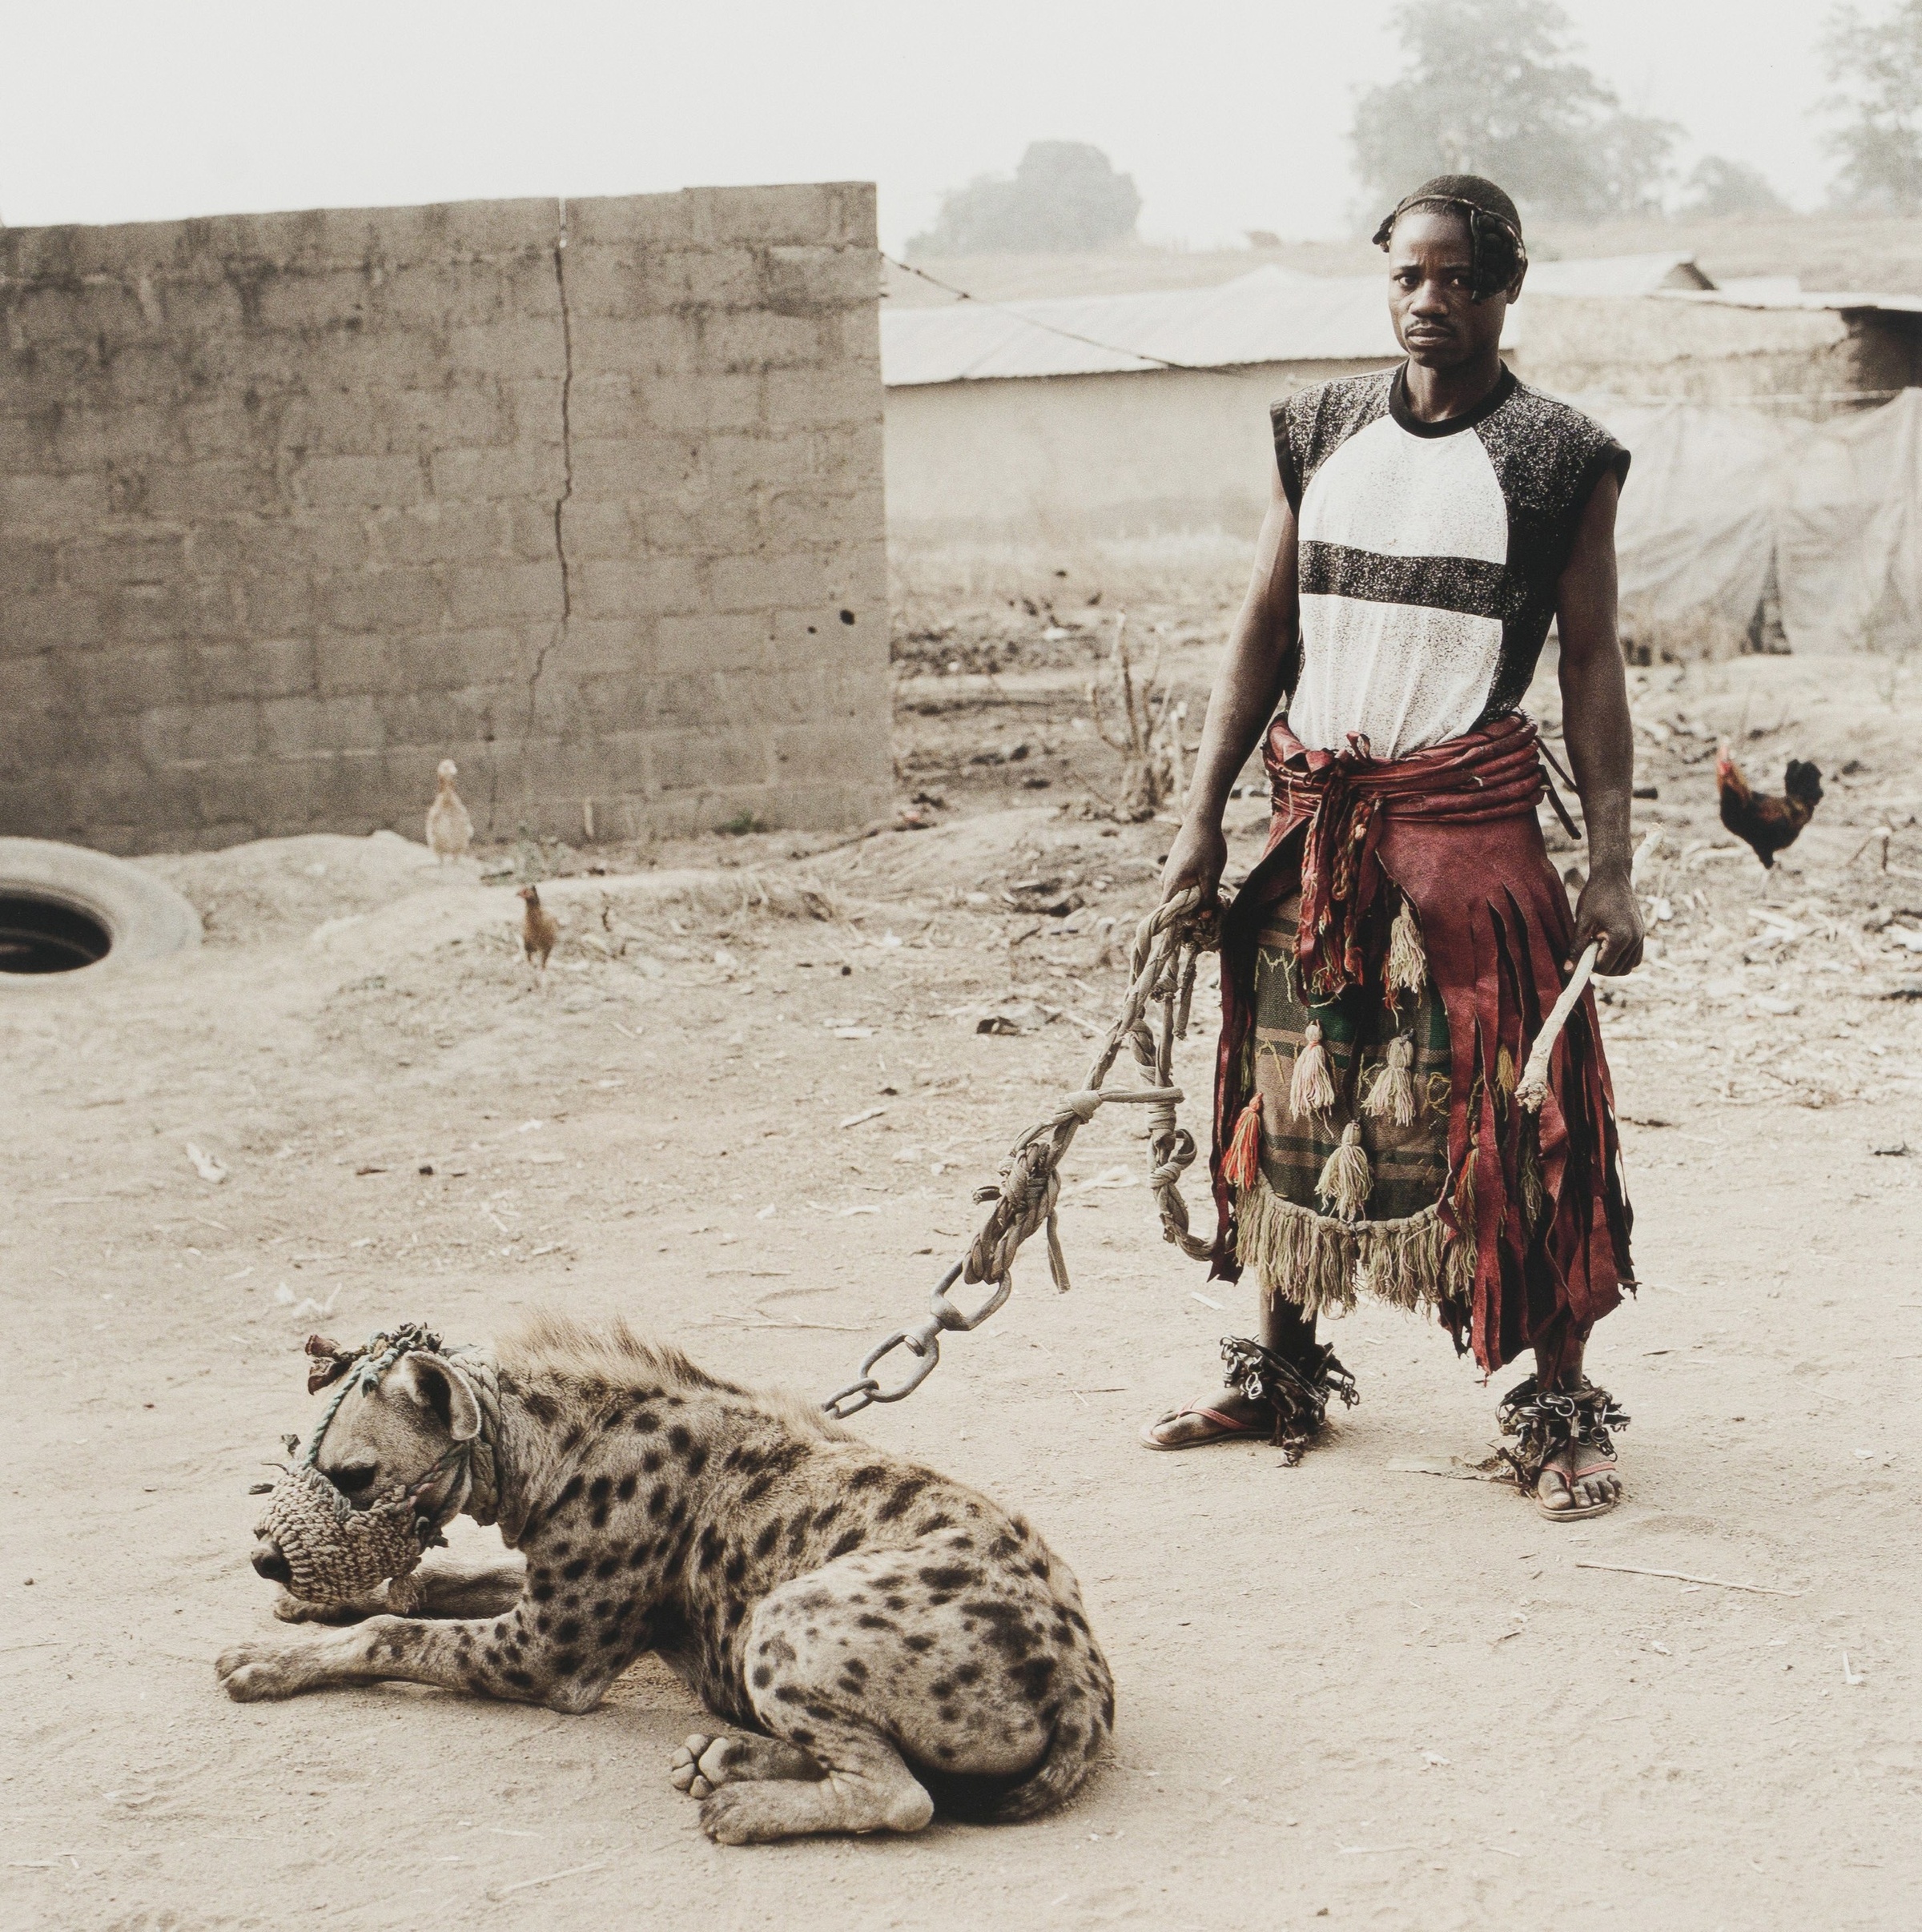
(1600, 735)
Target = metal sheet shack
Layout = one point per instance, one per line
(1143, 414)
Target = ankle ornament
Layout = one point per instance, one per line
(1544, 1422)
(1295, 1394)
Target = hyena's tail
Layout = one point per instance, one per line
(1082, 1728)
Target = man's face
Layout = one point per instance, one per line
(1429, 275)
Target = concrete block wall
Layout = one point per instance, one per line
(585, 495)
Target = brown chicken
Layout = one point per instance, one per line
(539, 929)
(1768, 824)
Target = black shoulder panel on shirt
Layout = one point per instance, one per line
(1313, 424)
(1548, 458)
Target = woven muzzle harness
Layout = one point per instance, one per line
(339, 1550)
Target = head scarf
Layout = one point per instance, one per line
(1497, 253)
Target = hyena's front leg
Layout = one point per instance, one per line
(507, 1658)
(449, 1586)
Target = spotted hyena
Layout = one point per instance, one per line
(886, 1639)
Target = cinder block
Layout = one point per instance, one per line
(441, 533)
(388, 602)
(129, 681)
(517, 469)
(710, 643)
(623, 469)
(716, 277)
(767, 582)
(603, 405)
(291, 727)
(687, 760)
(278, 667)
(659, 586)
(665, 344)
(481, 593)
(521, 348)
(123, 557)
(827, 397)
(282, 604)
(697, 524)
(366, 482)
(651, 221)
(31, 505)
(746, 339)
(59, 619)
(602, 530)
(352, 723)
(805, 280)
(27, 566)
(854, 757)
(797, 215)
(681, 404)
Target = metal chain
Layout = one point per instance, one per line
(1168, 945)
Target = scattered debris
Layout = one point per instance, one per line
(205, 1165)
(1720, 1583)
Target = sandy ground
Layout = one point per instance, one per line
(1355, 1692)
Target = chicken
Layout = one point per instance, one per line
(539, 929)
(1768, 824)
(449, 829)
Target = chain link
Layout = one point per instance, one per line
(1168, 945)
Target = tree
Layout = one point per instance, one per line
(1719, 186)
(1490, 89)
(1064, 195)
(1876, 69)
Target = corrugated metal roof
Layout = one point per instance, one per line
(1271, 315)
(1616, 275)
(1274, 315)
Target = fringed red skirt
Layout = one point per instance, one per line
(1422, 879)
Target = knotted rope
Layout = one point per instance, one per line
(1168, 945)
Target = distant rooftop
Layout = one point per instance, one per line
(1274, 315)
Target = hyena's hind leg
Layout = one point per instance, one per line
(705, 1763)
(866, 1786)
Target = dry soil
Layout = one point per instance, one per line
(747, 1111)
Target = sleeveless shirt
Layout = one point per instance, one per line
(1430, 553)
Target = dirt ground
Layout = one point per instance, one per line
(748, 1112)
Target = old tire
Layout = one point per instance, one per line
(142, 917)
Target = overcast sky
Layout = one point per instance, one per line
(1229, 115)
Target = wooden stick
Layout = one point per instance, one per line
(1720, 1583)
(1533, 1088)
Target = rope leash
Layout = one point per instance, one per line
(1168, 945)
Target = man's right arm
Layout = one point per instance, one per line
(1259, 666)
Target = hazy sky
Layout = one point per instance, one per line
(1229, 115)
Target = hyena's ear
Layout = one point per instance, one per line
(438, 1386)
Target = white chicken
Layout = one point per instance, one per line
(450, 831)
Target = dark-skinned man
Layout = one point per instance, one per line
(1387, 964)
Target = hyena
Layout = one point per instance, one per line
(886, 1639)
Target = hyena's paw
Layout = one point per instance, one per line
(703, 1764)
(292, 1609)
(252, 1673)
(751, 1815)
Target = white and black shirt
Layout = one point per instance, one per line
(1430, 553)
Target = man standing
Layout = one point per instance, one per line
(1389, 962)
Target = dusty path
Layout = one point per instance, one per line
(1352, 1688)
